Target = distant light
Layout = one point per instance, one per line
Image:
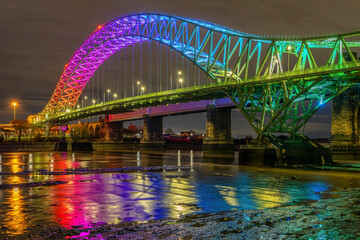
(288, 48)
(180, 80)
(78, 106)
(14, 103)
(99, 27)
(138, 82)
(108, 90)
(93, 101)
(115, 95)
(179, 72)
(85, 97)
(68, 110)
(143, 88)
(66, 65)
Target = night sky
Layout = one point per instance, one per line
(39, 36)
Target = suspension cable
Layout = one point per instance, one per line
(171, 67)
(133, 73)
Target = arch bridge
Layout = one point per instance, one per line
(277, 82)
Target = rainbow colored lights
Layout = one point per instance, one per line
(251, 70)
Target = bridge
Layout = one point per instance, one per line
(152, 59)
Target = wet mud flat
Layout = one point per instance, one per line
(335, 217)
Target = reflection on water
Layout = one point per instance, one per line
(185, 185)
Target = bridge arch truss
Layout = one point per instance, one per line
(251, 69)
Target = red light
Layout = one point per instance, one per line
(99, 27)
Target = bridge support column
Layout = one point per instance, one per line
(114, 131)
(218, 144)
(152, 132)
(345, 124)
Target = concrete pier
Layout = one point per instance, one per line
(345, 125)
(218, 143)
(152, 132)
(114, 131)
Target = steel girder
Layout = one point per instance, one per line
(274, 98)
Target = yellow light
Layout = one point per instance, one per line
(143, 88)
(289, 48)
(138, 82)
(115, 95)
(181, 80)
(108, 90)
(179, 72)
(14, 103)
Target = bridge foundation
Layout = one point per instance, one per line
(152, 133)
(218, 144)
(345, 123)
(114, 131)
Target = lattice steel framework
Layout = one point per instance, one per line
(274, 96)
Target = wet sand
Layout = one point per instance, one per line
(172, 196)
(335, 217)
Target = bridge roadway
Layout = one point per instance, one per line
(349, 72)
(172, 109)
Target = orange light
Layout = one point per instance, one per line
(14, 103)
(66, 65)
(99, 27)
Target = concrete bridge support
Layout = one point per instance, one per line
(218, 142)
(114, 131)
(345, 123)
(152, 132)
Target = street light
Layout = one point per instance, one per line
(14, 104)
(138, 88)
(93, 101)
(180, 81)
(108, 91)
(142, 90)
(288, 49)
(85, 100)
(115, 96)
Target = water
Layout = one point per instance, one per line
(186, 185)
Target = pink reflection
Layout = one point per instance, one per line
(68, 207)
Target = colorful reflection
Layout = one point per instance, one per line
(16, 219)
(185, 187)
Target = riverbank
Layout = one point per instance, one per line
(335, 217)
(27, 146)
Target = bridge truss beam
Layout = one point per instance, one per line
(274, 95)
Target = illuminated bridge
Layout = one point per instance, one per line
(150, 59)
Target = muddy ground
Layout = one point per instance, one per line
(337, 216)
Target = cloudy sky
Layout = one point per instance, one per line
(39, 36)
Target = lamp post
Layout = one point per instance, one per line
(108, 91)
(288, 49)
(85, 100)
(138, 87)
(179, 73)
(142, 90)
(93, 101)
(14, 104)
(115, 96)
(180, 81)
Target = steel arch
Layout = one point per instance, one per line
(227, 56)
